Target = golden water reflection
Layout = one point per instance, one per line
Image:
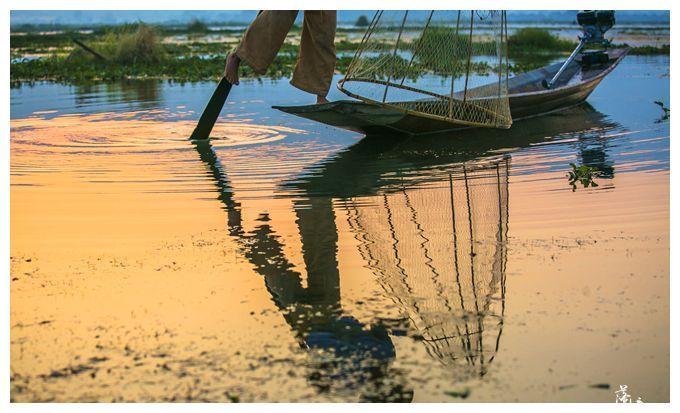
(448, 282)
(379, 272)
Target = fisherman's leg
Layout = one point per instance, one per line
(316, 61)
(261, 42)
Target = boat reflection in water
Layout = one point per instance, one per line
(431, 220)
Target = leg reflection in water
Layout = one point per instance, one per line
(345, 355)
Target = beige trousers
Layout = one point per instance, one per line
(316, 60)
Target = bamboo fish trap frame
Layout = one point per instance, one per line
(452, 66)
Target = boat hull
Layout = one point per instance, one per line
(527, 98)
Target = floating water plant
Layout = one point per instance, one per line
(582, 174)
(666, 112)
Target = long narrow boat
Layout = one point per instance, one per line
(528, 98)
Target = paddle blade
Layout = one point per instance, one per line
(212, 110)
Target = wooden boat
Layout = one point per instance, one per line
(383, 161)
(528, 98)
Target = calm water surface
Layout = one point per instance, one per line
(290, 261)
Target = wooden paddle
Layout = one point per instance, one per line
(212, 110)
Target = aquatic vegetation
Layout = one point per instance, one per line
(186, 54)
(188, 69)
(344, 45)
(664, 49)
(582, 174)
(532, 39)
(141, 46)
(666, 111)
(32, 42)
(525, 62)
(131, 44)
(440, 48)
(459, 394)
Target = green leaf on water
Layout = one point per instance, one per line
(458, 394)
(583, 174)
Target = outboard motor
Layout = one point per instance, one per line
(594, 24)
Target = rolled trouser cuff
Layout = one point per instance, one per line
(313, 89)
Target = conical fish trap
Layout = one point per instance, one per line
(445, 65)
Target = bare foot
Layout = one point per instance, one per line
(321, 99)
(231, 68)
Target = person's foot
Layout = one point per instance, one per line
(231, 68)
(321, 99)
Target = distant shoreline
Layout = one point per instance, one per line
(196, 52)
(243, 17)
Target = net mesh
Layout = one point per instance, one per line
(447, 64)
(439, 251)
